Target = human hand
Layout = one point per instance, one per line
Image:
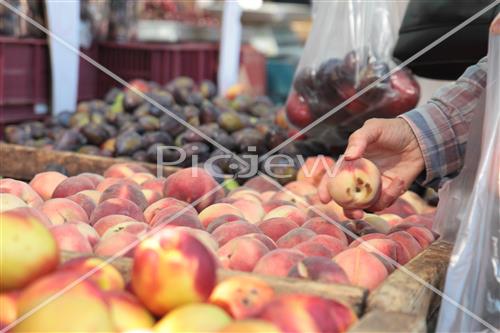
(392, 146)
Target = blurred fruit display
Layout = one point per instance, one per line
(343, 58)
(13, 25)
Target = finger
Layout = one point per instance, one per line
(360, 139)
(389, 194)
(354, 214)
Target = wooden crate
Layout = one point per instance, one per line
(353, 296)
(405, 301)
(22, 162)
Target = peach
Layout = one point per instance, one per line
(28, 249)
(176, 217)
(357, 228)
(125, 191)
(151, 196)
(103, 274)
(73, 185)
(83, 201)
(107, 182)
(127, 313)
(45, 183)
(294, 237)
(319, 269)
(69, 238)
(356, 185)
(244, 193)
(314, 168)
(241, 253)
(250, 326)
(133, 227)
(266, 196)
(109, 221)
(423, 219)
(385, 247)
(268, 242)
(312, 249)
(424, 236)
(8, 309)
(379, 223)
(152, 210)
(62, 210)
(261, 184)
(400, 207)
(117, 206)
(278, 262)
(118, 244)
(35, 213)
(307, 313)
(228, 231)
(172, 260)
(10, 201)
(202, 236)
(302, 188)
(223, 219)
(419, 205)
(87, 231)
(94, 195)
(272, 204)
(95, 178)
(21, 190)
(195, 317)
(193, 185)
(407, 241)
(291, 198)
(276, 227)
(209, 214)
(124, 170)
(367, 237)
(252, 211)
(391, 219)
(242, 296)
(334, 245)
(156, 184)
(291, 212)
(81, 307)
(141, 177)
(361, 267)
(323, 226)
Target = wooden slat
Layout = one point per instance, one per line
(22, 162)
(403, 293)
(382, 321)
(353, 296)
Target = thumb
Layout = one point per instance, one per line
(360, 139)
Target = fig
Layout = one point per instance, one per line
(230, 121)
(170, 125)
(168, 154)
(149, 123)
(70, 140)
(151, 138)
(128, 143)
(208, 89)
(95, 134)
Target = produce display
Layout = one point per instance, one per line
(258, 227)
(125, 125)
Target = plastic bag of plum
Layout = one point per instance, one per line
(469, 215)
(348, 49)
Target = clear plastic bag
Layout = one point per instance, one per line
(473, 277)
(349, 47)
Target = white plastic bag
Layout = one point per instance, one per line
(349, 47)
(473, 277)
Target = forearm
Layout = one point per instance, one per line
(441, 126)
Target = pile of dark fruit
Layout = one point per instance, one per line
(317, 90)
(125, 125)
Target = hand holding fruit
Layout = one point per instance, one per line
(392, 146)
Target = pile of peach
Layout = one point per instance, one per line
(258, 227)
(172, 288)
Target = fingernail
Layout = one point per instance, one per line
(349, 153)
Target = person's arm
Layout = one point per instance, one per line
(441, 126)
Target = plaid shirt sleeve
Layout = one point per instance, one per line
(441, 126)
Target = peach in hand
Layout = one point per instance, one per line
(356, 185)
(172, 260)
